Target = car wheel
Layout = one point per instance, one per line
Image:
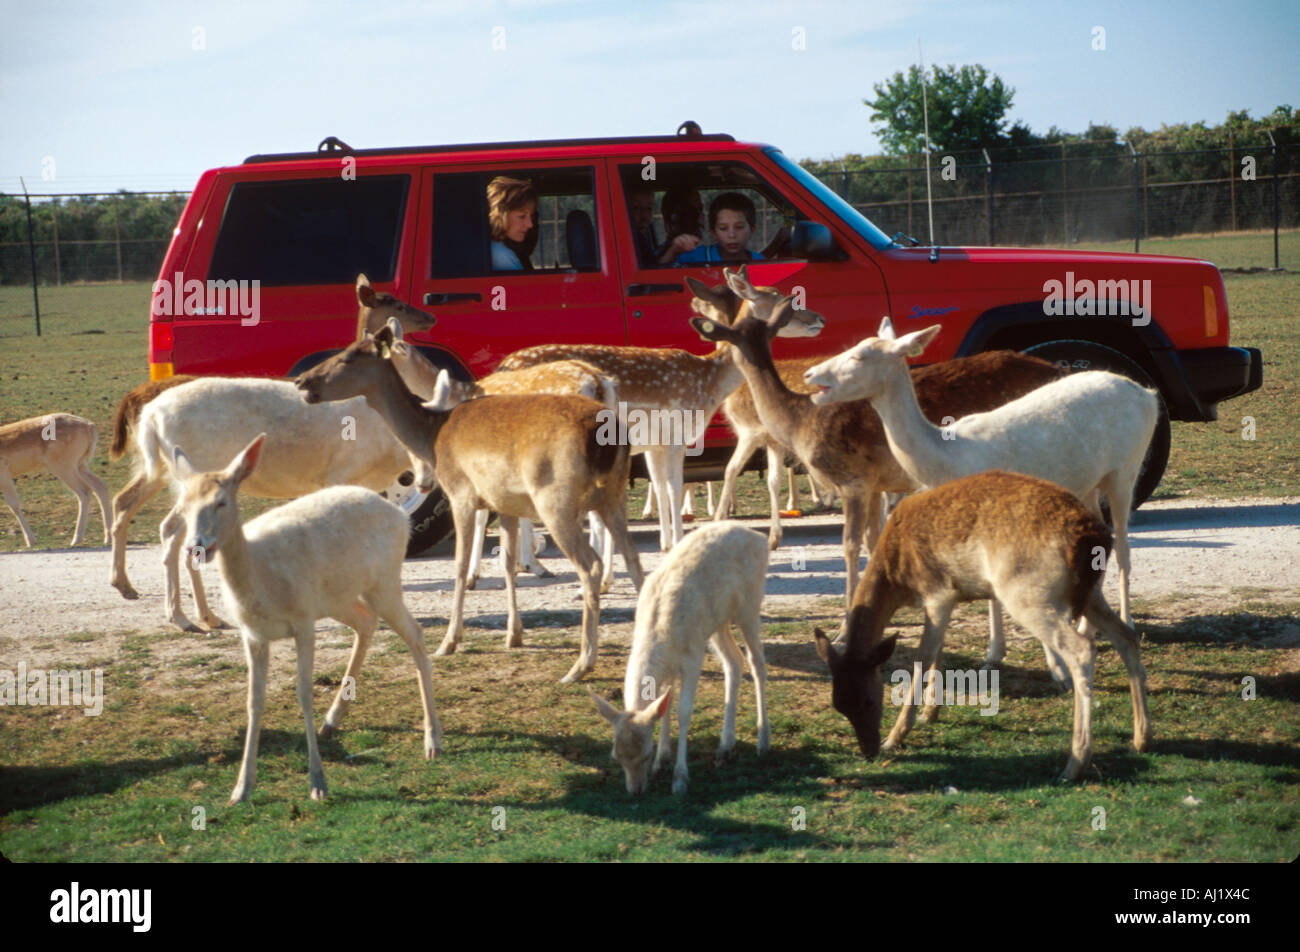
(1077, 355)
(430, 513)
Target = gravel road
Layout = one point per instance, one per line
(1206, 548)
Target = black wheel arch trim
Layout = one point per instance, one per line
(1024, 324)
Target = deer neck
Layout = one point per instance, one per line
(875, 601)
(916, 443)
(724, 376)
(415, 427)
(233, 561)
(782, 411)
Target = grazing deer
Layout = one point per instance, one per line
(651, 380)
(537, 456)
(844, 445)
(1087, 432)
(1028, 543)
(336, 553)
(713, 579)
(63, 444)
(216, 416)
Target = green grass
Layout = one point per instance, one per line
(534, 756)
(1239, 250)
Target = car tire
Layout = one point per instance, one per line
(430, 513)
(1079, 355)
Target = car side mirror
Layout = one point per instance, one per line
(813, 240)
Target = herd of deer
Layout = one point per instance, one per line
(1018, 454)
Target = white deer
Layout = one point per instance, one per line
(63, 444)
(713, 579)
(1087, 432)
(336, 553)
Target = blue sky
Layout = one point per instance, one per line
(119, 97)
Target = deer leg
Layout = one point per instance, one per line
(855, 519)
(708, 497)
(305, 637)
(1125, 641)
(462, 514)
(937, 615)
(745, 447)
(685, 704)
(476, 548)
(528, 551)
(362, 621)
(613, 513)
(125, 505)
(388, 603)
(172, 533)
(724, 646)
(792, 497)
(678, 499)
(98, 487)
(569, 537)
(11, 499)
(652, 491)
(775, 466)
(510, 549)
(663, 752)
(72, 479)
(211, 619)
(751, 627)
(256, 654)
(657, 466)
(602, 540)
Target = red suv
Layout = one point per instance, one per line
(273, 248)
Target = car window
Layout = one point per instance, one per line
(563, 236)
(311, 231)
(676, 184)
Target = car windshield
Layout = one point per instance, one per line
(847, 213)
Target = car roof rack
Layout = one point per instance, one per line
(333, 146)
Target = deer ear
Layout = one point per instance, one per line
(738, 282)
(881, 653)
(656, 710)
(711, 330)
(607, 710)
(824, 648)
(441, 401)
(394, 328)
(365, 293)
(886, 331)
(243, 465)
(383, 339)
(181, 464)
(914, 344)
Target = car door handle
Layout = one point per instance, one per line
(641, 290)
(435, 297)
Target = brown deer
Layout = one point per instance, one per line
(1024, 541)
(538, 457)
(844, 445)
(651, 380)
(63, 444)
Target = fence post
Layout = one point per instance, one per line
(1137, 201)
(1273, 150)
(54, 218)
(117, 236)
(1065, 202)
(988, 191)
(31, 248)
(1232, 177)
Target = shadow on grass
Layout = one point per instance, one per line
(787, 777)
(1246, 629)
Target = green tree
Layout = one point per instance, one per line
(967, 108)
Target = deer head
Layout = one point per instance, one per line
(634, 733)
(376, 307)
(861, 372)
(208, 500)
(857, 691)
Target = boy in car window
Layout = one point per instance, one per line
(731, 219)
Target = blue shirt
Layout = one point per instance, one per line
(708, 254)
(503, 259)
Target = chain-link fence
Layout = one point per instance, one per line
(1087, 194)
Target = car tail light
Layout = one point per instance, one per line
(1211, 311)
